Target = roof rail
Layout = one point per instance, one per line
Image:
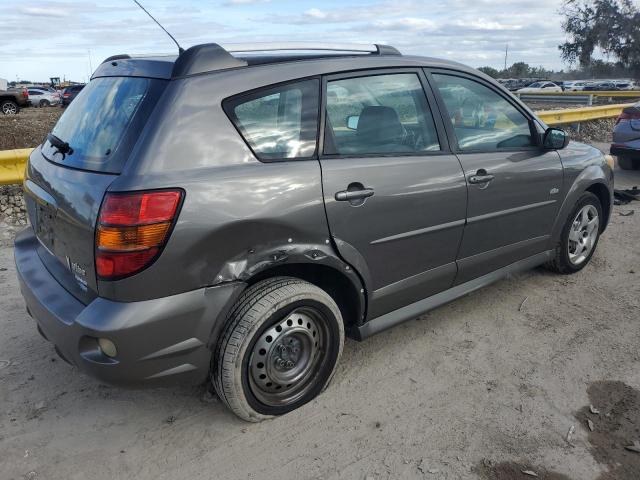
(311, 46)
(211, 56)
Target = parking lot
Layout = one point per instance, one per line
(485, 387)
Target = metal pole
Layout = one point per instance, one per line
(506, 52)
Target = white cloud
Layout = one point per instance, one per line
(244, 2)
(407, 23)
(44, 11)
(484, 24)
(316, 13)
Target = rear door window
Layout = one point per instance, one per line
(99, 120)
(278, 122)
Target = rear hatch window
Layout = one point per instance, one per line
(102, 122)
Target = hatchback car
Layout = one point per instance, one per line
(626, 138)
(228, 215)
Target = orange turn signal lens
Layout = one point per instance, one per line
(137, 237)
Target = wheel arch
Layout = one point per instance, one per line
(349, 296)
(602, 192)
(592, 179)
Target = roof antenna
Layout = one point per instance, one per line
(180, 49)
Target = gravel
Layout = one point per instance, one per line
(594, 131)
(12, 207)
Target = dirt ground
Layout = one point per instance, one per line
(28, 128)
(487, 387)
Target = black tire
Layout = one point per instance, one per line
(261, 310)
(44, 103)
(561, 262)
(9, 107)
(627, 163)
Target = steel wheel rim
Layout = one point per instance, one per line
(9, 109)
(583, 234)
(288, 356)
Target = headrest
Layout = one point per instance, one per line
(378, 124)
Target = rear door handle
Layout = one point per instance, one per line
(350, 195)
(481, 176)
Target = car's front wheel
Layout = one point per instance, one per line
(579, 236)
(44, 103)
(279, 348)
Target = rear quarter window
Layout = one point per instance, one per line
(278, 122)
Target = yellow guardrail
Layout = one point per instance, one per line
(13, 162)
(12, 165)
(585, 93)
(577, 115)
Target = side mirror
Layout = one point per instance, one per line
(555, 139)
(352, 122)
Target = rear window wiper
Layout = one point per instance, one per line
(63, 147)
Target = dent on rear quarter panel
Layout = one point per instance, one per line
(583, 166)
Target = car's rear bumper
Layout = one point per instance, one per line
(624, 150)
(158, 341)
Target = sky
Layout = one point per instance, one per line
(67, 39)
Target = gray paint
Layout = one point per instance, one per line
(426, 235)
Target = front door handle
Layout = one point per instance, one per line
(481, 176)
(349, 195)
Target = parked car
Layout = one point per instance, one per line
(601, 86)
(232, 215)
(626, 138)
(12, 99)
(541, 87)
(39, 97)
(574, 86)
(69, 93)
(624, 85)
(517, 84)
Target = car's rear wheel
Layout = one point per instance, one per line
(44, 103)
(9, 107)
(626, 162)
(579, 236)
(279, 348)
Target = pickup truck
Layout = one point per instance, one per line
(11, 100)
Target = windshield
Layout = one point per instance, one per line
(97, 121)
(535, 85)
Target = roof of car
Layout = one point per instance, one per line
(213, 57)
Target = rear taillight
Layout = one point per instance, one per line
(132, 229)
(66, 95)
(25, 93)
(627, 116)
